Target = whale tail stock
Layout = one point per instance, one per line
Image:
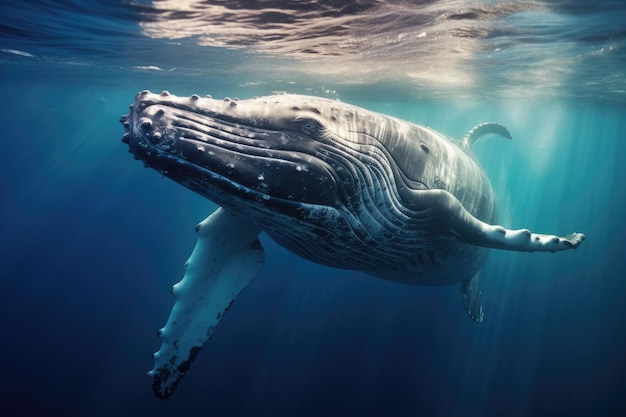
(481, 130)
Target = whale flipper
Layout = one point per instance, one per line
(472, 298)
(227, 257)
(450, 213)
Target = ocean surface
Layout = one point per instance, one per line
(91, 242)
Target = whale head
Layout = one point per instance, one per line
(250, 152)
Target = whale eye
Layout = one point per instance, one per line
(310, 126)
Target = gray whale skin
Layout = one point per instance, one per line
(333, 183)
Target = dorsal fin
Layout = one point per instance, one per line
(483, 129)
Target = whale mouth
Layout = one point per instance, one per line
(219, 155)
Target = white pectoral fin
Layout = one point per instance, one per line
(227, 257)
(523, 240)
(469, 229)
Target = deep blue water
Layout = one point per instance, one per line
(91, 242)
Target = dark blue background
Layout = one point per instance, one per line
(91, 243)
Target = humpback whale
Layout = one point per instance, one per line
(333, 183)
